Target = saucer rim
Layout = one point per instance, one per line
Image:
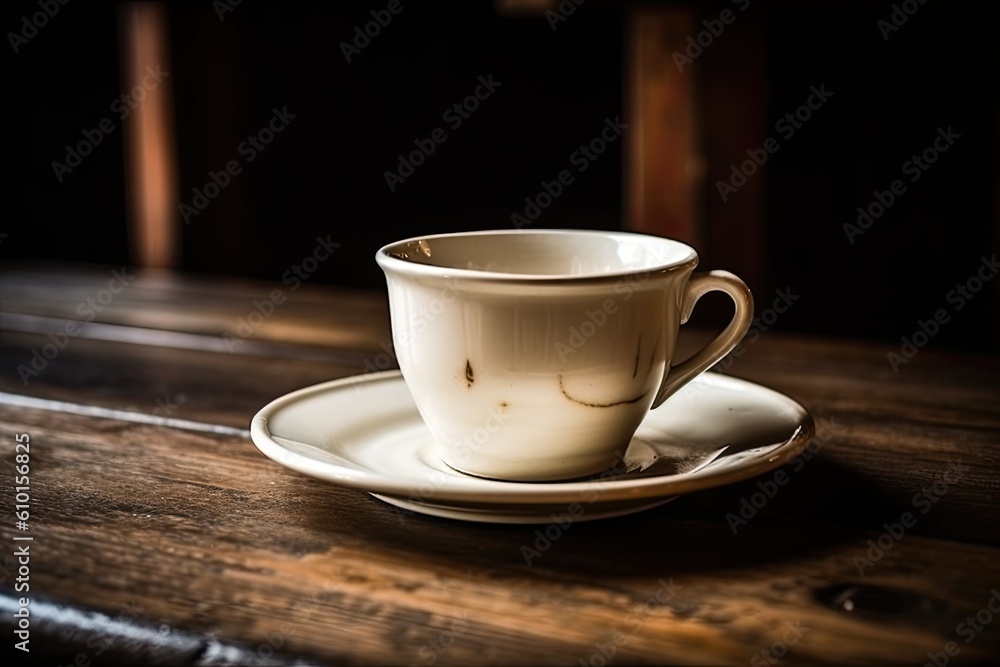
(529, 514)
(474, 489)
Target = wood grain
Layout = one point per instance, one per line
(292, 312)
(177, 546)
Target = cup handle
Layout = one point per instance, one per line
(699, 285)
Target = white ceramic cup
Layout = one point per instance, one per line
(535, 355)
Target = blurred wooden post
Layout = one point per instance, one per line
(663, 171)
(689, 121)
(150, 151)
(734, 119)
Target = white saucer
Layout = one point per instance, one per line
(364, 432)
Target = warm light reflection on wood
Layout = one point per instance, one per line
(150, 152)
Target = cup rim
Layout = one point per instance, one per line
(388, 262)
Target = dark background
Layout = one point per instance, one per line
(324, 173)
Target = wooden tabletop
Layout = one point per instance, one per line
(160, 535)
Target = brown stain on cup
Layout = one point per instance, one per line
(638, 349)
(599, 405)
(652, 353)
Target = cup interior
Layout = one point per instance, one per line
(542, 253)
